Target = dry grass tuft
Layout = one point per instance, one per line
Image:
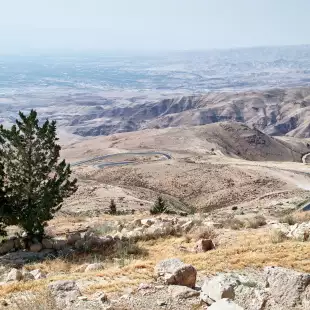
(38, 301)
(205, 233)
(277, 236)
(255, 222)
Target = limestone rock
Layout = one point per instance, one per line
(27, 276)
(174, 271)
(14, 275)
(35, 247)
(94, 267)
(38, 274)
(182, 292)
(187, 226)
(64, 292)
(218, 287)
(287, 288)
(224, 304)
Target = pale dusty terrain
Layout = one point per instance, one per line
(213, 167)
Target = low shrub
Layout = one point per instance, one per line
(277, 236)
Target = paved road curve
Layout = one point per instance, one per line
(104, 164)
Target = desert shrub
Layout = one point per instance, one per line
(277, 236)
(255, 222)
(205, 233)
(160, 206)
(233, 223)
(112, 207)
(288, 219)
(33, 181)
(36, 301)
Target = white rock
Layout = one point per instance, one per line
(14, 275)
(182, 292)
(64, 292)
(174, 271)
(38, 274)
(94, 267)
(224, 304)
(218, 287)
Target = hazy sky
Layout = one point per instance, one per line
(151, 24)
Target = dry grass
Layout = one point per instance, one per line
(250, 222)
(38, 301)
(253, 249)
(205, 233)
(277, 236)
(298, 217)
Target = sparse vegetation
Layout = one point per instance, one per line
(33, 183)
(288, 219)
(38, 301)
(112, 207)
(277, 236)
(205, 233)
(255, 222)
(159, 207)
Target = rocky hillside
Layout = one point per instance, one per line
(276, 112)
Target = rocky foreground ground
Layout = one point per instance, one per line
(162, 262)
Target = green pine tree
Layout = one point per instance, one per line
(35, 183)
(159, 206)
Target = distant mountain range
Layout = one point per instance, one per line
(276, 112)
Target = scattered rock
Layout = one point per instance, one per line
(14, 275)
(204, 245)
(35, 247)
(7, 246)
(161, 303)
(182, 292)
(224, 304)
(218, 287)
(287, 288)
(27, 276)
(187, 226)
(101, 297)
(73, 238)
(38, 274)
(144, 286)
(64, 292)
(174, 271)
(94, 267)
(47, 243)
(59, 244)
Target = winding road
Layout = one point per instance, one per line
(105, 164)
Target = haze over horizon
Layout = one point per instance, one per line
(161, 25)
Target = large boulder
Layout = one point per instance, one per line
(288, 289)
(218, 287)
(224, 304)
(299, 231)
(204, 245)
(36, 247)
(7, 246)
(64, 292)
(174, 271)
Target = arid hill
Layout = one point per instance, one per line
(276, 112)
